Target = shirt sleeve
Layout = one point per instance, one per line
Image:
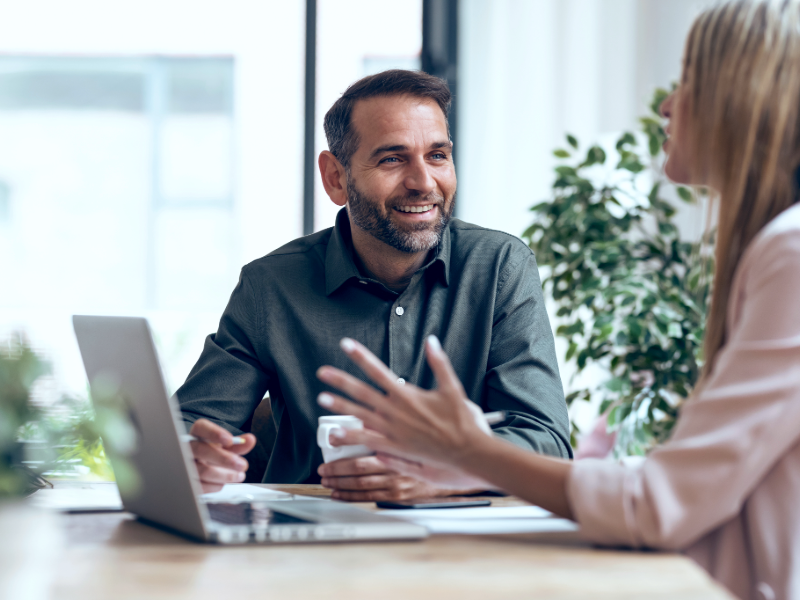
(522, 375)
(228, 381)
(728, 436)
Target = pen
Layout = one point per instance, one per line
(492, 418)
(190, 438)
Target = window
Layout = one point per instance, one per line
(5, 203)
(116, 188)
(124, 164)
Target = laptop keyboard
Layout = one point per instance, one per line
(248, 514)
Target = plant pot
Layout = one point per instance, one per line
(31, 541)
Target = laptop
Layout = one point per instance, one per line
(120, 351)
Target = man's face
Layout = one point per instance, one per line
(401, 182)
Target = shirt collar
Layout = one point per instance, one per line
(339, 263)
(341, 267)
(443, 256)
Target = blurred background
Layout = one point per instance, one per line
(149, 149)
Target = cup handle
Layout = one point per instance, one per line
(323, 434)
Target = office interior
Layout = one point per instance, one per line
(150, 149)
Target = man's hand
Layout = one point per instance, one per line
(218, 459)
(458, 482)
(367, 479)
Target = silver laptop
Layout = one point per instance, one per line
(121, 350)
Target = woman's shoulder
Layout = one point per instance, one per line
(779, 239)
(786, 222)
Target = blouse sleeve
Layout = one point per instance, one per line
(727, 437)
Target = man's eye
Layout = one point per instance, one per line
(440, 155)
(390, 159)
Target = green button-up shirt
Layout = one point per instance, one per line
(480, 294)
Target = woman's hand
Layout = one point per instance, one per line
(433, 435)
(436, 427)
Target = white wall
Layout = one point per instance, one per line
(532, 70)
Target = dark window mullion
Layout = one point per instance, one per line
(440, 52)
(309, 150)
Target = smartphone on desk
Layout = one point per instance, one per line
(434, 503)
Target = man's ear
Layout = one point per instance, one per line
(334, 179)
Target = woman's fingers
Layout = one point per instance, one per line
(337, 404)
(446, 377)
(355, 388)
(374, 440)
(359, 437)
(370, 364)
(412, 423)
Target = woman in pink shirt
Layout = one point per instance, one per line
(726, 488)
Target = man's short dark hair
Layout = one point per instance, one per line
(343, 140)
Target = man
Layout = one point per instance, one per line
(393, 270)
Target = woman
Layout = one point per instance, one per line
(726, 487)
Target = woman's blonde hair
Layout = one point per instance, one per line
(742, 105)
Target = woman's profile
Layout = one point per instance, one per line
(726, 488)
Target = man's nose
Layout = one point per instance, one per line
(419, 178)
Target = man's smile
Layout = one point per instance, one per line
(415, 209)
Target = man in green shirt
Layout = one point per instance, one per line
(394, 269)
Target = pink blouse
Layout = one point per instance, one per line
(725, 489)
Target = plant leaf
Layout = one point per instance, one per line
(572, 141)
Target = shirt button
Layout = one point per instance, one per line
(401, 381)
(362, 282)
(399, 310)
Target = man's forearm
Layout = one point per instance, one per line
(190, 418)
(536, 439)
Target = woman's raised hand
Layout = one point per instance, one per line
(431, 426)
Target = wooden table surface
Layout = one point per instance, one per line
(114, 556)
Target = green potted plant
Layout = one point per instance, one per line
(70, 433)
(31, 538)
(631, 295)
(20, 368)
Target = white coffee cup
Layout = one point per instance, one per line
(327, 425)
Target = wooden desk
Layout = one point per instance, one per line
(113, 556)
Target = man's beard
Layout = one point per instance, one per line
(419, 237)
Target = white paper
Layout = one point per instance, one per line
(233, 493)
(478, 512)
(497, 526)
(486, 520)
(95, 496)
